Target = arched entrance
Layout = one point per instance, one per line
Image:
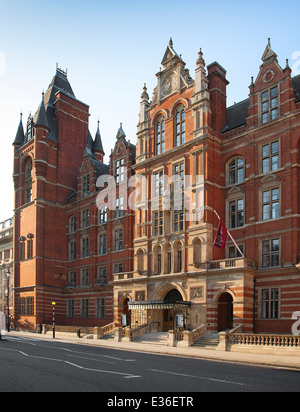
(168, 321)
(225, 312)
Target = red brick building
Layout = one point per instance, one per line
(194, 156)
(243, 163)
(65, 248)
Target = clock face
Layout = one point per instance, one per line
(119, 150)
(167, 85)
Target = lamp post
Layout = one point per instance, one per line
(7, 319)
(53, 325)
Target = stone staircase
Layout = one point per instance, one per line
(208, 342)
(109, 336)
(154, 338)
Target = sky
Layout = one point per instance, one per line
(111, 48)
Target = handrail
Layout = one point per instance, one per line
(237, 328)
(144, 326)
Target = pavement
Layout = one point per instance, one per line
(262, 359)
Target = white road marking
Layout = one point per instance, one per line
(125, 375)
(198, 377)
(69, 350)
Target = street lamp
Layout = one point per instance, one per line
(53, 326)
(7, 319)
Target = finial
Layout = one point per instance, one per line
(287, 64)
(269, 42)
(145, 94)
(200, 58)
(171, 42)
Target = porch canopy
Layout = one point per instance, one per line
(157, 304)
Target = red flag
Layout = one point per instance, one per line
(221, 238)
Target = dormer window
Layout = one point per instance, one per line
(269, 105)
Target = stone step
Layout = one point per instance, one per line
(208, 342)
(154, 338)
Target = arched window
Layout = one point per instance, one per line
(72, 224)
(178, 263)
(28, 181)
(167, 260)
(236, 171)
(160, 136)
(157, 260)
(180, 126)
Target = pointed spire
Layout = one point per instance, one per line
(98, 141)
(120, 133)
(269, 54)
(41, 119)
(19, 139)
(170, 53)
(144, 95)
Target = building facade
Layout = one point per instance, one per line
(6, 264)
(139, 247)
(196, 157)
(65, 246)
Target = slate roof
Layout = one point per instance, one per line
(97, 145)
(296, 86)
(19, 139)
(236, 115)
(59, 82)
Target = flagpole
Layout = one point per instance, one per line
(231, 237)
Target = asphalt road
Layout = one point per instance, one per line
(34, 365)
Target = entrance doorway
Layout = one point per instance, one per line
(125, 316)
(225, 312)
(169, 321)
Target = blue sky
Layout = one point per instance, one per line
(111, 48)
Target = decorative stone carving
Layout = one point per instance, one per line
(197, 293)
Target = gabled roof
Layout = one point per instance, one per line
(121, 134)
(269, 54)
(170, 53)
